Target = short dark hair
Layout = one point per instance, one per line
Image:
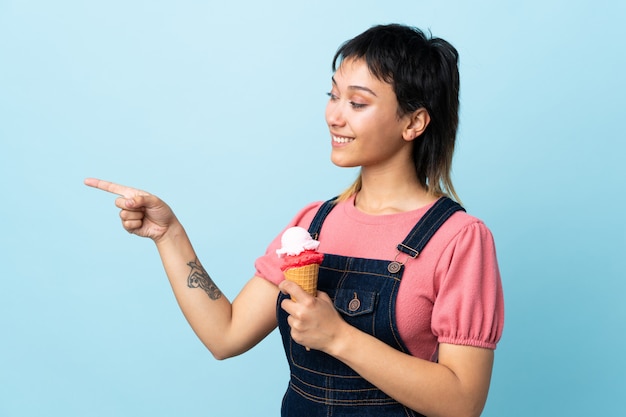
(423, 72)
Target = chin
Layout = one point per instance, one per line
(342, 163)
(342, 159)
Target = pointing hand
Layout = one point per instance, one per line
(142, 213)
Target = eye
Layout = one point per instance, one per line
(357, 106)
(332, 96)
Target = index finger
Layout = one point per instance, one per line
(293, 289)
(111, 187)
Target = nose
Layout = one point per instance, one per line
(334, 114)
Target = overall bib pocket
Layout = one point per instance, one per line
(358, 308)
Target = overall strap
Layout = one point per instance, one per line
(419, 236)
(320, 216)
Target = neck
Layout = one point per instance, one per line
(391, 191)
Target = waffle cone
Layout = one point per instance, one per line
(305, 277)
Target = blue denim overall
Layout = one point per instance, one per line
(364, 292)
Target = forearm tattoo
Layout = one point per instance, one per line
(199, 278)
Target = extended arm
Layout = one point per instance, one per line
(227, 329)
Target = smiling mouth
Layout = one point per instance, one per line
(341, 139)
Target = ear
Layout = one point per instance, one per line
(417, 124)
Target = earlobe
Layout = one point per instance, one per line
(418, 123)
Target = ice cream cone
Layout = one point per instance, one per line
(305, 277)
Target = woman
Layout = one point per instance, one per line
(419, 338)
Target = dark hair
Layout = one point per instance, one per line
(424, 74)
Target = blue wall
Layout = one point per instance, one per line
(219, 110)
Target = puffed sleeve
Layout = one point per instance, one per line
(268, 265)
(469, 305)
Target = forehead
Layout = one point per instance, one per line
(356, 73)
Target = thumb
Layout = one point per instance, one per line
(129, 203)
(324, 296)
(141, 201)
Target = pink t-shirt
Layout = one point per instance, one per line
(451, 293)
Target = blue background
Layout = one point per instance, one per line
(217, 107)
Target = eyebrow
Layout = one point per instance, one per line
(357, 87)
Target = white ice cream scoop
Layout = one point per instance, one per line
(296, 240)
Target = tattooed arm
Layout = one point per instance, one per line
(227, 329)
(199, 278)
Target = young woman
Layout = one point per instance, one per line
(410, 305)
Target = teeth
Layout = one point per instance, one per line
(340, 139)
